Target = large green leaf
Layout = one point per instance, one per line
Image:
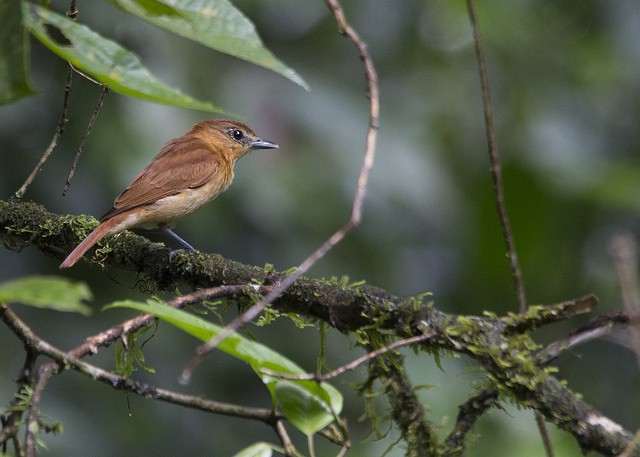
(106, 61)
(50, 292)
(255, 354)
(216, 24)
(14, 53)
(311, 405)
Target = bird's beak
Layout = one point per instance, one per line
(263, 144)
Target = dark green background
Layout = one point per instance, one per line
(565, 78)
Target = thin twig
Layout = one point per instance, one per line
(92, 121)
(468, 414)
(595, 328)
(496, 171)
(356, 212)
(624, 252)
(544, 434)
(12, 417)
(498, 187)
(62, 122)
(31, 437)
(72, 13)
(285, 439)
(551, 313)
(351, 365)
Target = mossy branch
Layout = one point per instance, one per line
(501, 345)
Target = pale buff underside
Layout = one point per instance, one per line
(168, 210)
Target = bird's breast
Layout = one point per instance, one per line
(168, 210)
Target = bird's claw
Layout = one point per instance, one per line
(173, 253)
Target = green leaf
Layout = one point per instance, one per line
(216, 24)
(255, 354)
(307, 410)
(14, 53)
(106, 61)
(47, 292)
(318, 401)
(155, 8)
(260, 449)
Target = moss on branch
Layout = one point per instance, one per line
(501, 345)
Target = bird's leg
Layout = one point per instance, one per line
(175, 236)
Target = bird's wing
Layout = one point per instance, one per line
(184, 163)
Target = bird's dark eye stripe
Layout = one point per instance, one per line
(237, 134)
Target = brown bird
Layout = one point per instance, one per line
(190, 171)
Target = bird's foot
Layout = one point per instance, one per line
(175, 252)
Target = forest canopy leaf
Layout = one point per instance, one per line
(14, 54)
(104, 60)
(216, 24)
(49, 292)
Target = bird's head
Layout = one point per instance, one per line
(232, 138)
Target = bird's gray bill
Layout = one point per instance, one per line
(264, 144)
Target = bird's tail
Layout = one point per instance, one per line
(105, 228)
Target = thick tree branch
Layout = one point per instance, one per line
(28, 224)
(406, 409)
(502, 346)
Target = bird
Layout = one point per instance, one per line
(189, 171)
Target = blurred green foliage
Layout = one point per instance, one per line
(566, 99)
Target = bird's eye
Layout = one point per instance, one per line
(237, 134)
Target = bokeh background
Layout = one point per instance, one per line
(565, 82)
